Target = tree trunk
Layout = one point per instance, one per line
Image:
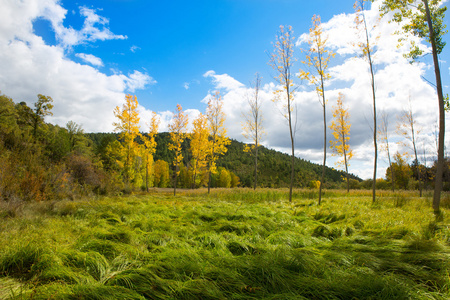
(292, 148)
(324, 146)
(209, 181)
(175, 181)
(256, 165)
(374, 126)
(437, 72)
(146, 174)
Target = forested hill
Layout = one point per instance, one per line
(273, 166)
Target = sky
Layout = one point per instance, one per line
(87, 55)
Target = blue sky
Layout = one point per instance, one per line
(87, 55)
(176, 42)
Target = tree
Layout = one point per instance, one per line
(41, 109)
(281, 61)
(402, 172)
(318, 59)
(234, 180)
(341, 132)
(77, 140)
(150, 146)
(8, 117)
(407, 128)
(425, 19)
(199, 146)
(252, 126)
(224, 178)
(384, 138)
(218, 134)
(128, 126)
(366, 45)
(177, 135)
(161, 173)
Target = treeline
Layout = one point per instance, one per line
(42, 161)
(273, 171)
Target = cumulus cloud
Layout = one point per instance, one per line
(396, 81)
(223, 81)
(80, 92)
(137, 80)
(94, 28)
(89, 58)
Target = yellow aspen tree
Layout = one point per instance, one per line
(161, 171)
(252, 127)
(317, 59)
(407, 128)
(383, 135)
(128, 126)
(340, 127)
(425, 19)
(177, 130)
(282, 60)
(150, 146)
(218, 139)
(199, 146)
(366, 45)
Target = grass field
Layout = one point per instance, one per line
(232, 244)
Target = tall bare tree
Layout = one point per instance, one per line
(366, 44)
(282, 60)
(252, 126)
(425, 19)
(407, 128)
(384, 138)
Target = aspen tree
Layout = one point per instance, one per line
(317, 59)
(150, 146)
(282, 60)
(341, 133)
(199, 146)
(128, 126)
(177, 135)
(217, 133)
(366, 45)
(425, 19)
(252, 126)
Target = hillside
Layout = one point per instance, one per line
(273, 166)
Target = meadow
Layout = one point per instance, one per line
(230, 244)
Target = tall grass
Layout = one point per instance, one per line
(231, 244)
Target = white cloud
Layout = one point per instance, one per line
(89, 58)
(137, 80)
(223, 81)
(134, 48)
(396, 79)
(186, 85)
(29, 67)
(90, 32)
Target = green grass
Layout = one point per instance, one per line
(232, 244)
